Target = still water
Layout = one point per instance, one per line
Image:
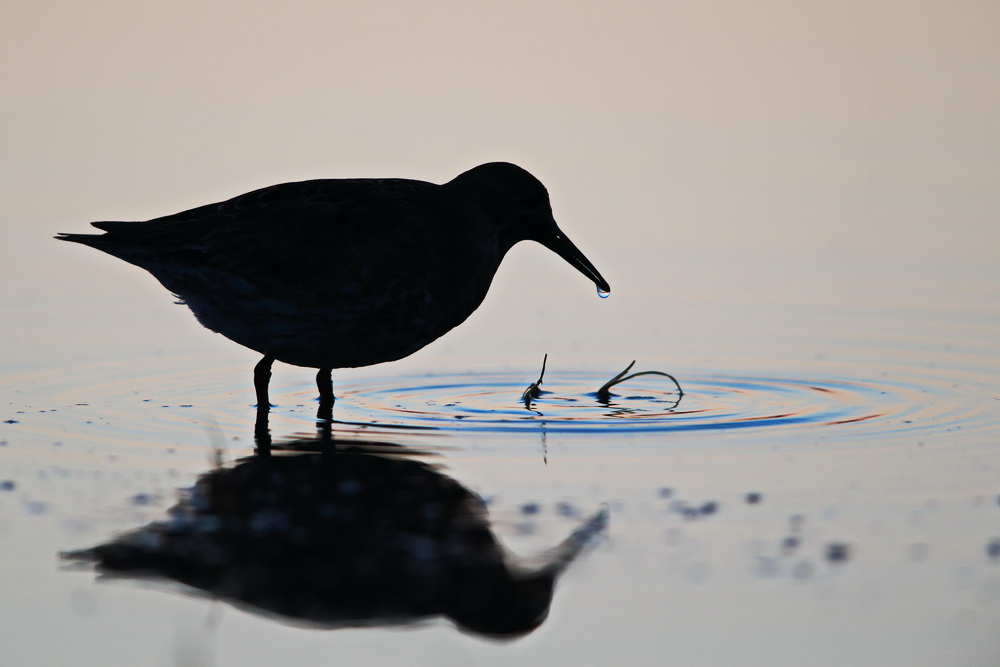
(826, 490)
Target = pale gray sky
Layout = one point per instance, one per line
(848, 127)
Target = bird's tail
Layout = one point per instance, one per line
(114, 242)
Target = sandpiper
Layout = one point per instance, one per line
(341, 273)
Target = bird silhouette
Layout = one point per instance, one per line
(342, 273)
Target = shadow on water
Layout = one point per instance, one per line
(333, 533)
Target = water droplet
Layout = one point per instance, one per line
(142, 499)
(603, 294)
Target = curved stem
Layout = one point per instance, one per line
(605, 391)
(533, 391)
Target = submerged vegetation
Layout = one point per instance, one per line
(533, 390)
(604, 393)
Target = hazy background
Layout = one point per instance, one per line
(800, 189)
(685, 145)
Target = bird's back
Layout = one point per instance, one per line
(304, 224)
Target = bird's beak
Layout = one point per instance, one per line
(562, 246)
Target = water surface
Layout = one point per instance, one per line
(825, 488)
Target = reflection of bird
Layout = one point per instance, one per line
(342, 273)
(359, 536)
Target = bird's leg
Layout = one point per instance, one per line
(325, 385)
(261, 378)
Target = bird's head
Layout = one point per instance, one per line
(517, 205)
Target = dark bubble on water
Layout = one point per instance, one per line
(790, 543)
(530, 509)
(691, 512)
(142, 499)
(753, 498)
(993, 549)
(838, 552)
(7, 485)
(566, 509)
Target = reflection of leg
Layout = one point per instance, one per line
(261, 432)
(324, 430)
(325, 385)
(261, 378)
(324, 416)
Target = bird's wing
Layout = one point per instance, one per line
(308, 228)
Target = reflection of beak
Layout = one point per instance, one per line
(562, 246)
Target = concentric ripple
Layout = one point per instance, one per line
(175, 401)
(569, 403)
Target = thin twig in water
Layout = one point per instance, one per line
(604, 393)
(533, 391)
